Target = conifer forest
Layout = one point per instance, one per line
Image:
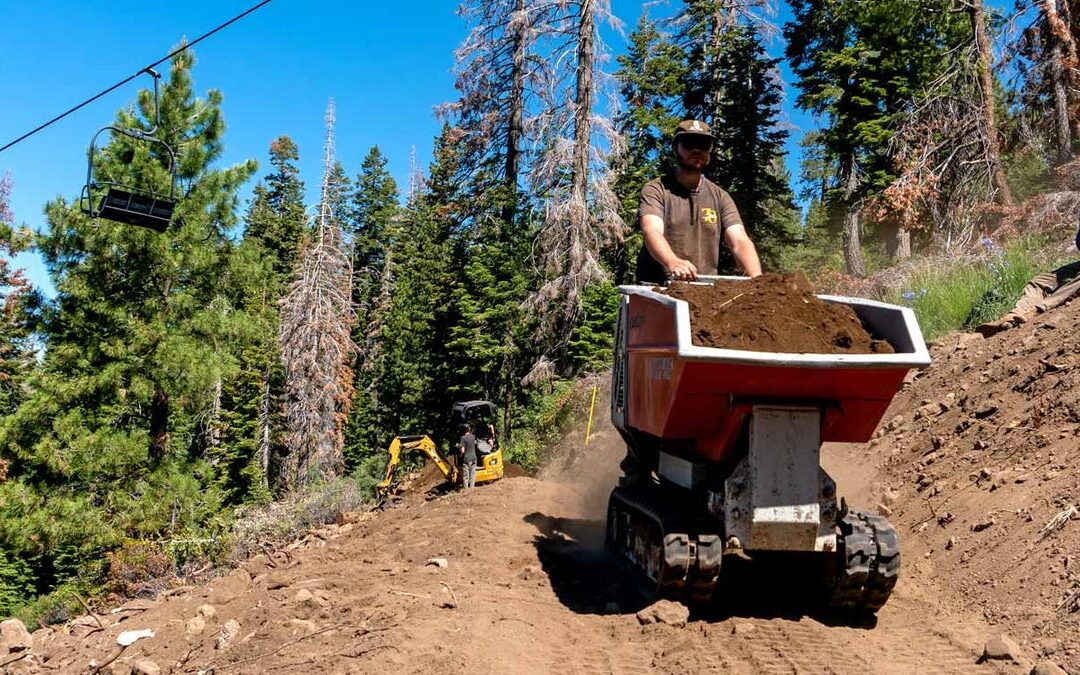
(262, 349)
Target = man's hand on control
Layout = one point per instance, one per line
(682, 270)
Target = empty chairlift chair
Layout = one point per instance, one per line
(126, 204)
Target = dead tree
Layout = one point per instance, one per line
(317, 318)
(572, 172)
(984, 68)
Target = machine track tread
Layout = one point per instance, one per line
(651, 531)
(870, 562)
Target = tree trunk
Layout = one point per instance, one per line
(264, 429)
(899, 244)
(159, 425)
(1063, 61)
(852, 240)
(583, 109)
(517, 108)
(986, 86)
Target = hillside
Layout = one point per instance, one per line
(978, 464)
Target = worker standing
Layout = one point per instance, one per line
(467, 454)
(684, 216)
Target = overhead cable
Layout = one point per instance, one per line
(132, 77)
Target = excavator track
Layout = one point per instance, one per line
(650, 531)
(870, 559)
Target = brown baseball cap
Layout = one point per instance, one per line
(693, 128)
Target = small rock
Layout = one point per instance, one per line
(348, 518)
(195, 625)
(890, 497)
(983, 524)
(1001, 648)
(951, 544)
(884, 510)
(1047, 668)
(14, 637)
(145, 667)
(529, 573)
(303, 596)
(437, 562)
(742, 628)
(276, 580)
(232, 586)
(228, 633)
(665, 611)
(308, 626)
(207, 612)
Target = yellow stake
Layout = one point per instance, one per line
(588, 428)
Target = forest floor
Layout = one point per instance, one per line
(977, 463)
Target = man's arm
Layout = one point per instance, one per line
(652, 227)
(738, 242)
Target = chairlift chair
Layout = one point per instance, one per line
(125, 204)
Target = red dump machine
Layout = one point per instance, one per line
(728, 445)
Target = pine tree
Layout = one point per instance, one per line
(136, 341)
(375, 235)
(860, 66)
(17, 299)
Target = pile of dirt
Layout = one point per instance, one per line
(773, 313)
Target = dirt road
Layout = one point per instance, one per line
(526, 589)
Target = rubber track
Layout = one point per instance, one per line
(871, 559)
(684, 575)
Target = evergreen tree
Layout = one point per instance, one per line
(860, 65)
(137, 341)
(375, 234)
(17, 299)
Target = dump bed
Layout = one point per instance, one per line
(672, 389)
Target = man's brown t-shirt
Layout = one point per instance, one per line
(694, 221)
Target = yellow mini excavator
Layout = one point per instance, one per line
(478, 415)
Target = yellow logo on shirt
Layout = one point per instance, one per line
(708, 216)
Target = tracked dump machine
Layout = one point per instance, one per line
(734, 439)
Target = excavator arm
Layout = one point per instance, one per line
(422, 444)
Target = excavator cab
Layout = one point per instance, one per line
(123, 203)
(480, 416)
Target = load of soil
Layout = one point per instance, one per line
(773, 313)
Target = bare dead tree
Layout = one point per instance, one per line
(984, 67)
(317, 317)
(572, 175)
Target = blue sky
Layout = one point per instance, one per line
(386, 65)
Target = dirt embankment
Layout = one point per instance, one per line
(977, 463)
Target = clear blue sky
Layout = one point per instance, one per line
(386, 65)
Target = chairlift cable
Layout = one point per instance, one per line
(132, 77)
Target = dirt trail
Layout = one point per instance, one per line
(526, 589)
(977, 458)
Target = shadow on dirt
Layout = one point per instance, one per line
(590, 581)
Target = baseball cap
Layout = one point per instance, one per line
(693, 128)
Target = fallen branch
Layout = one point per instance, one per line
(1067, 602)
(89, 611)
(115, 655)
(453, 598)
(211, 667)
(1057, 522)
(408, 594)
(18, 657)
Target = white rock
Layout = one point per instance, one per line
(145, 667)
(130, 637)
(438, 562)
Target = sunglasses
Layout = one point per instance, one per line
(696, 143)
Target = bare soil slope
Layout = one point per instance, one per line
(982, 469)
